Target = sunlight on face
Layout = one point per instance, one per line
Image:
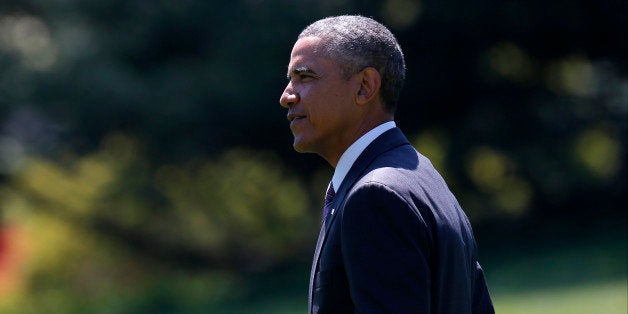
(320, 101)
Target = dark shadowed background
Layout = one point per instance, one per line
(146, 165)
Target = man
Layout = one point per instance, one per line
(393, 239)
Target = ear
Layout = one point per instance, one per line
(369, 85)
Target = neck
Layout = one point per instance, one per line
(333, 157)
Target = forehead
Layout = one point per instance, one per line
(307, 46)
(308, 53)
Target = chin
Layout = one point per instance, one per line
(300, 146)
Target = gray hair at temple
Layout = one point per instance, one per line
(358, 42)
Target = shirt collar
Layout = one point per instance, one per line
(353, 152)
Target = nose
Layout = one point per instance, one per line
(289, 97)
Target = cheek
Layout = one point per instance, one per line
(324, 105)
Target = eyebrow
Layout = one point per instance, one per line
(300, 70)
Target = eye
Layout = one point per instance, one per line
(306, 77)
(302, 74)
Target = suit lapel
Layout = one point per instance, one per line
(387, 141)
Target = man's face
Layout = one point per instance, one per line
(320, 101)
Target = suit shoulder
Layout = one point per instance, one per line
(403, 166)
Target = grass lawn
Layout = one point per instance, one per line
(606, 298)
(587, 275)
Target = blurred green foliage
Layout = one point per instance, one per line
(145, 164)
(95, 225)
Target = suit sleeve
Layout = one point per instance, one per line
(386, 252)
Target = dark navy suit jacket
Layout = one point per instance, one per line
(397, 241)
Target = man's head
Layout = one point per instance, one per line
(344, 76)
(357, 42)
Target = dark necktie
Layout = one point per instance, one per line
(329, 197)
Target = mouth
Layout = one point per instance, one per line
(295, 117)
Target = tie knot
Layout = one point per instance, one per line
(329, 197)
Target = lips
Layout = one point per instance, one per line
(292, 117)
